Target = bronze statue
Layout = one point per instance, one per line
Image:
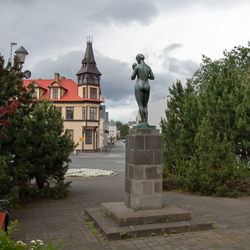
(142, 87)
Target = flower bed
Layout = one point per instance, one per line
(86, 172)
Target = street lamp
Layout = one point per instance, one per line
(21, 55)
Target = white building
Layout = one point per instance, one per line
(156, 111)
(112, 130)
(104, 120)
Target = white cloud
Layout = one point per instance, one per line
(124, 113)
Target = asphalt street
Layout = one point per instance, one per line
(113, 160)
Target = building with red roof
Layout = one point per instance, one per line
(78, 102)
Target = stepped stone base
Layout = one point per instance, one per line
(112, 231)
(124, 216)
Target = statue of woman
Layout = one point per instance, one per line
(142, 87)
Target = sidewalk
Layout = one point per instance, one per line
(50, 220)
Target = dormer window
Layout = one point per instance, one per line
(55, 94)
(34, 95)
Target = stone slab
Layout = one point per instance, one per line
(144, 126)
(112, 231)
(124, 216)
(143, 131)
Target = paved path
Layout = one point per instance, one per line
(50, 220)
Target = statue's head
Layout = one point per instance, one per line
(140, 57)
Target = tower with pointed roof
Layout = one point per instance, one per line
(89, 73)
(88, 80)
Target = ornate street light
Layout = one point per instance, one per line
(21, 55)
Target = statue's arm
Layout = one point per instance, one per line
(134, 73)
(151, 75)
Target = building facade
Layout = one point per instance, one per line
(156, 111)
(78, 102)
(104, 132)
(112, 130)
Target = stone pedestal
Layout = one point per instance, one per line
(143, 174)
(143, 214)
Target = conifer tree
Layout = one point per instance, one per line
(207, 131)
(179, 127)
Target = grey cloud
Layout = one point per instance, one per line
(159, 88)
(66, 65)
(179, 5)
(116, 84)
(176, 66)
(170, 48)
(46, 27)
(125, 12)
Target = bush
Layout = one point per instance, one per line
(6, 243)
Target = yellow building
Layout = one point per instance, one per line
(79, 102)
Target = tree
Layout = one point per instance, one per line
(206, 135)
(124, 129)
(179, 129)
(14, 99)
(236, 60)
(118, 124)
(34, 157)
(41, 152)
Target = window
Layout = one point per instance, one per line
(80, 80)
(69, 113)
(83, 113)
(34, 95)
(71, 132)
(93, 93)
(83, 93)
(96, 80)
(55, 94)
(88, 136)
(92, 113)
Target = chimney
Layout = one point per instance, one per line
(57, 76)
(63, 77)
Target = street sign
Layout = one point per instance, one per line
(81, 139)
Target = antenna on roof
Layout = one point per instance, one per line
(89, 39)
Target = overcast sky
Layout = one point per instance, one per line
(172, 34)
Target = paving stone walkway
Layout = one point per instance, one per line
(50, 220)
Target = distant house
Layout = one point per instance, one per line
(79, 102)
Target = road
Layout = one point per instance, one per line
(113, 160)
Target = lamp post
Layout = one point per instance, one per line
(21, 55)
(11, 44)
